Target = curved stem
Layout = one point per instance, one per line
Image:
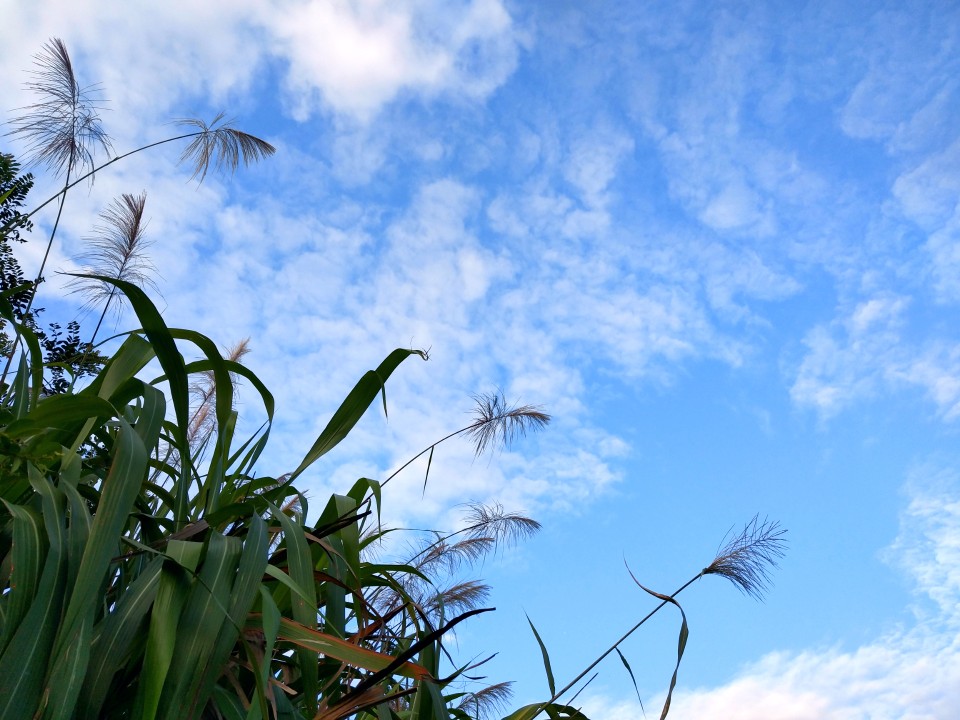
(613, 647)
(106, 306)
(56, 223)
(424, 452)
(33, 294)
(62, 195)
(109, 162)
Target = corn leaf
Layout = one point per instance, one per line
(354, 406)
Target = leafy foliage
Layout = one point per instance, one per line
(182, 582)
(149, 569)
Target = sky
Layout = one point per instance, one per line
(718, 242)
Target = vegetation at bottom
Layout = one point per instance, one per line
(149, 568)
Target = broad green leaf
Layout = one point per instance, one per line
(66, 676)
(343, 559)
(286, 580)
(171, 361)
(527, 712)
(304, 608)
(28, 552)
(354, 406)
(246, 584)
(553, 710)
(120, 489)
(78, 531)
(64, 413)
(202, 618)
(23, 665)
(115, 635)
(174, 587)
(270, 617)
(132, 356)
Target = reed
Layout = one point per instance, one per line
(151, 568)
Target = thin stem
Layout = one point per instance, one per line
(613, 647)
(33, 294)
(425, 451)
(495, 424)
(107, 163)
(56, 223)
(106, 306)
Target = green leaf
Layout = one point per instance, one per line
(174, 587)
(681, 643)
(28, 552)
(546, 659)
(23, 664)
(270, 617)
(115, 636)
(527, 712)
(354, 406)
(175, 373)
(304, 606)
(247, 582)
(63, 413)
(119, 492)
(627, 666)
(201, 621)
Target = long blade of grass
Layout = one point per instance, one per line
(354, 406)
(64, 413)
(546, 659)
(24, 662)
(173, 588)
(27, 555)
(270, 620)
(175, 374)
(681, 642)
(203, 617)
(630, 671)
(253, 561)
(304, 609)
(316, 641)
(114, 637)
(119, 492)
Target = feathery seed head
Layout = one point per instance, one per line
(62, 129)
(747, 559)
(498, 424)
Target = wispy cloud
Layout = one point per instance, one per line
(870, 351)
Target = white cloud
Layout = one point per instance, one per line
(869, 350)
(351, 57)
(928, 193)
(943, 249)
(592, 162)
(355, 57)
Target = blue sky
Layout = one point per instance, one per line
(718, 242)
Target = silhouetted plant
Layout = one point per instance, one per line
(746, 560)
